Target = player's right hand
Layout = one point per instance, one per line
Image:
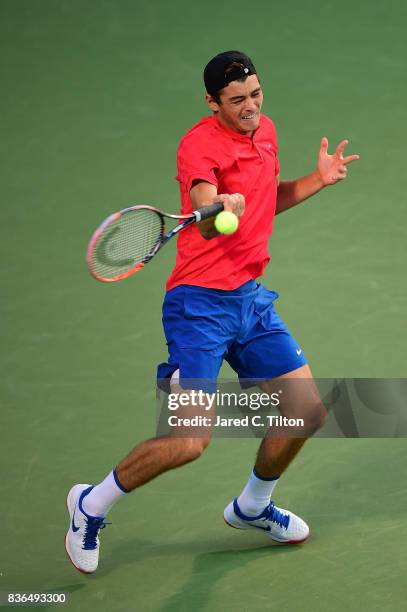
(232, 202)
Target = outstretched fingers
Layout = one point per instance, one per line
(340, 148)
(339, 153)
(350, 158)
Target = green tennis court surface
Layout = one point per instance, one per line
(95, 97)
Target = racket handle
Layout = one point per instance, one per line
(208, 211)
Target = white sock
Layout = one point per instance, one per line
(256, 494)
(102, 497)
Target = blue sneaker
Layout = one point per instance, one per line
(82, 540)
(281, 525)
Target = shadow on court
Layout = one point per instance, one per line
(208, 569)
(209, 566)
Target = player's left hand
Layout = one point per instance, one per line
(333, 168)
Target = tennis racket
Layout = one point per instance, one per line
(129, 238)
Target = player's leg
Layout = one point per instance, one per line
(279, 448)
(302, 399)
(253, 507)
(88, 505)
(158, 455)
(270, 352)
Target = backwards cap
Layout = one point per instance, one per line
(215, 76)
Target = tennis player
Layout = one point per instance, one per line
(214, 309)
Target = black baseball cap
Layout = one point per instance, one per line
(215, 76)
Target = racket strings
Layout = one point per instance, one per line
(126, 242)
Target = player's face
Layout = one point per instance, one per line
(240, 105)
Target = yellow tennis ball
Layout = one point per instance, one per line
(226, 222)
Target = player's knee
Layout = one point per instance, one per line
(316, 416)
(194, 448)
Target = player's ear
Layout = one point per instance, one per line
(211, 102)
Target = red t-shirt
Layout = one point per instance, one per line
(234, 163)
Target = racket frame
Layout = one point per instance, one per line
(194, 217)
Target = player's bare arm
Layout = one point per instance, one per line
(330, 170)
(202, 194)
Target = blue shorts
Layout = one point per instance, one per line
(205, 326)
